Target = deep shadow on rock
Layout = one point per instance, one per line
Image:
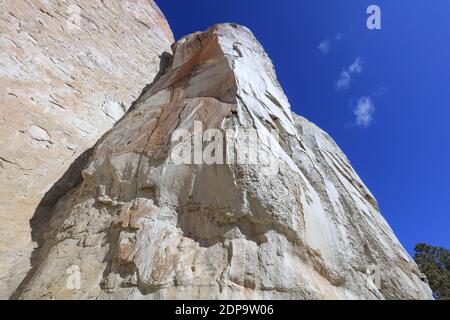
(39, 222)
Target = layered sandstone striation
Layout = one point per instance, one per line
(68, 71)
(297, 224)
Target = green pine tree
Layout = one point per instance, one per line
(434, 262)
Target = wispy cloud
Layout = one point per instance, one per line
(356, 67)
(343, 82)
(324, 46)
(363, 111)
(380, 92)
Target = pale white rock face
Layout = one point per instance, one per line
(62, 86)
(296, 224)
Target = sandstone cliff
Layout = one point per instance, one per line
(67, 74)
(298, 223)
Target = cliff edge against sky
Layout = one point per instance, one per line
(297, 223)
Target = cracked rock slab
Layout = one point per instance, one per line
(140, 226)
(62, 86)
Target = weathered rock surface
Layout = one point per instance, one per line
(140, 226)
(61, 88)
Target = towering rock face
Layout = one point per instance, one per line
(68, 72)
(275, 211)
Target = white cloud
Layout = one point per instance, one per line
(356, 67)
(364, 111)
(343, 82)
(324, 46)
(339, 36)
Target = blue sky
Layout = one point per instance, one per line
(383, 95)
